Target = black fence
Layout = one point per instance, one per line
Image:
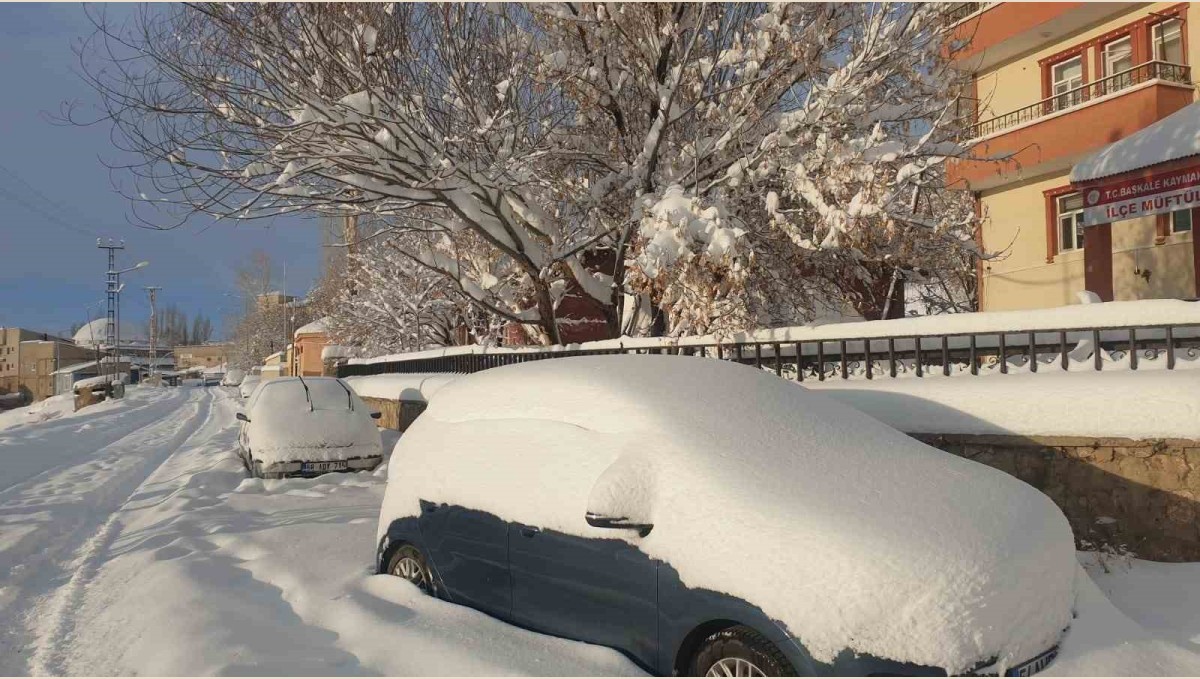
(976, 353)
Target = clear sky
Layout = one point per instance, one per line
(56, 197)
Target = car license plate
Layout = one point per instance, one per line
(1032, 667)
(323, 466)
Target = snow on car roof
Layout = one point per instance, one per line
(892, 547)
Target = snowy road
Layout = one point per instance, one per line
(131, 542)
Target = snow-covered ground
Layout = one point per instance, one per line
(132, 543)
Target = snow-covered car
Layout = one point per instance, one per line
(708, 518)
(233, 377)
(249, 382)
(306, 426)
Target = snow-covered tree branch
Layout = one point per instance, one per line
(729, 165)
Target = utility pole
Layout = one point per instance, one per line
(153, 291)
(110, 281)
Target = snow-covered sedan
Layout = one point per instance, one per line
(708, 518)
(306, 426)
(247, 385)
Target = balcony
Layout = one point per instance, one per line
(1053, 134)
(1151, 70)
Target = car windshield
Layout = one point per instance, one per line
(328, 394)
(296, 395)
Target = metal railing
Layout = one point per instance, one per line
(1151, 70)
(957, 11)
(976, 353)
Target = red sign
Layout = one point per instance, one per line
(1147, 195)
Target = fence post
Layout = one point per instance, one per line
(1170, 349)
(974, 356)
(799, 365)
(1062, 348)
(1133, 349)
(1096, 350)
(892, 356)
(1003, 355)
(867, 356)
(820, 361)
(1032, 352)
(946, 355)
(845, 374)
(917, 353)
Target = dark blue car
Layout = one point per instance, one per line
(581, 497)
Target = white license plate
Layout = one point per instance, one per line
(323, 466)
(1032, 667)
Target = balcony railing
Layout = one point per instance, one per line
(1151, 70)
(957, 11)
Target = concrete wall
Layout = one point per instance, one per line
(1137, 495)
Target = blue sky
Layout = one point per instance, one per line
(56, 197)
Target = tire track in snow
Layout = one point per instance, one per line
(115, 424)
(69, 551)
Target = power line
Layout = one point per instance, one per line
(38, 209)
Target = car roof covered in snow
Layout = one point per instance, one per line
(891, 544)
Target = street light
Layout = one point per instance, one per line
(117, 276)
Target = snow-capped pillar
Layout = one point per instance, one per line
(1097, 260)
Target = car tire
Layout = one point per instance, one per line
(409, 563)
(739, 652)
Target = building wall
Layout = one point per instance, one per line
(202, 355)
(307, 357)
(1028, 274)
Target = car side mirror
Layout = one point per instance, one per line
(376, 415)
(622, 497)
(242, 417)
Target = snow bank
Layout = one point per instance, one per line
(1130, 404)
(1104, 641)
(404, 387)
(849, 532)
(1141, 313)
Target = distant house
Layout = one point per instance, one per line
(29, 359)
(309, 341)
(201, 356)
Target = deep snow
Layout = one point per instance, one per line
(132, 543)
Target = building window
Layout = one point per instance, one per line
(1167, 39)
(1066, 78)
(1070, 222)
(1118, 56)
(1181, 221)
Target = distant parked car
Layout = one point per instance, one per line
(306, 426)
(247, 385)
(233, 377)
(708, 518)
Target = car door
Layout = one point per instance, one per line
(600, 590)
(469, 550)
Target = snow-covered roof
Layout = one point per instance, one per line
(336, 351)
(316, 327)
(75, 367)
(1174, 137)
(95, 333)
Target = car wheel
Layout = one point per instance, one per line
(739, 652)
(409, 563)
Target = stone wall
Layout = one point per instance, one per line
(1140, 496)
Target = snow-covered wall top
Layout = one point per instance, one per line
(1142, 313)
(317, 326)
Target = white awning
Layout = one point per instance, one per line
(1174, 137)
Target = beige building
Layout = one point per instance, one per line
(306, 353)
(28, 360)
(201, 355)
(1056, 83)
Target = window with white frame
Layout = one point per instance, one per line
(1167, 40)
(1181, 221)
(1066, 77)
(1070, 222)
(1118, 56)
